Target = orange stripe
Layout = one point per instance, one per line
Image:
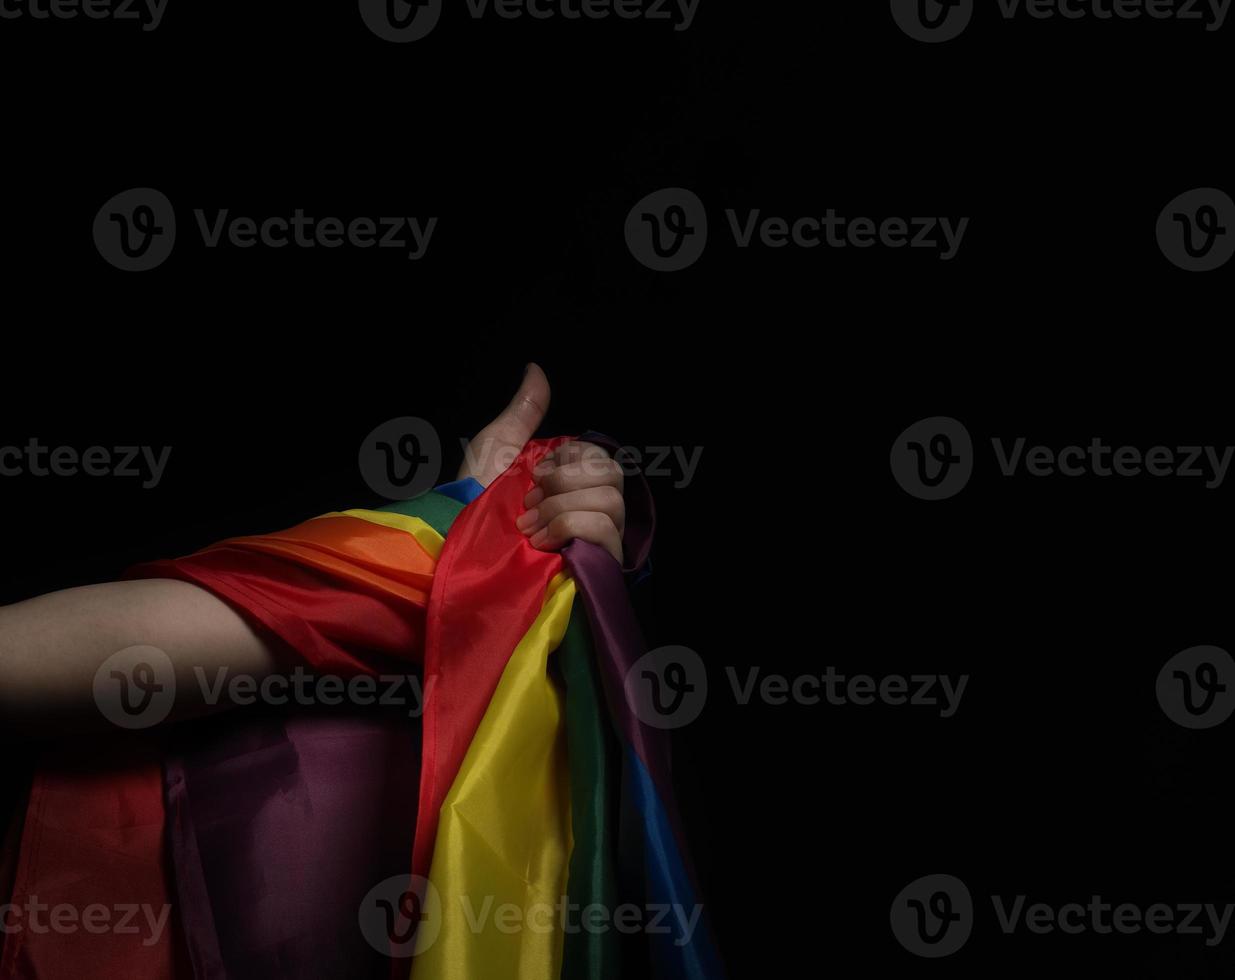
(352, 550)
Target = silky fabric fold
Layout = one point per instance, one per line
(489, 588)
(280, 821)
(503, 839)
(351, 593)
(495, 838)
(341, 592)
(478, 828)
(93, 838)
(654, 864)
(589, 954)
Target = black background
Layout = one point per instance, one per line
(793, 549)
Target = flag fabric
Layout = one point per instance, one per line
(654, 865)
(503, 839)
(489, 589)
(533, 789)
(282, 820)
(91, 894)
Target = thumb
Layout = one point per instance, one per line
(520, 419)
(497, 444)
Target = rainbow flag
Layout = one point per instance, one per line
(535, 792)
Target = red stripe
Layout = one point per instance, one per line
(489, 589)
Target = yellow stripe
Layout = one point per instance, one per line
(425, 536)
(504, 840)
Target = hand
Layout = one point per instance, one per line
(578, 492)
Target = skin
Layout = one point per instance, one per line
(52, 645)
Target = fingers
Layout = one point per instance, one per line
(578, 494)
(601, 500)
(574, 451)
(582, 525)
(577, 466)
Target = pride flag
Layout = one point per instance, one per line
(534, 785)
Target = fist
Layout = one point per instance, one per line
(578, 491)
(578, 494)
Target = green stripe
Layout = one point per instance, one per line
(435, 509)
(588, 954)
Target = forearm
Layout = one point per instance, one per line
(52, 646)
